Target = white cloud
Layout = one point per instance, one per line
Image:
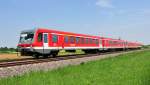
(105, 3)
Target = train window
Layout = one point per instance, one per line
(82, 40)
(77, 39)
(91, 41)
(116, 42)
(97, 42)
(100, 41)
(72, 39)
(111, 42)
(54, 38)
(40, 37)
(87, 40)
(66, 39)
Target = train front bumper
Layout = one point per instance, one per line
(26, 51)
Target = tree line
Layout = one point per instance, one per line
(6, 49)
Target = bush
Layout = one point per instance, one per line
(7, 50)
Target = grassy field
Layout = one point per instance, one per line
(126, 69)
(7, 52)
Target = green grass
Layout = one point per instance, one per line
(126, 69)
(63, 52)
(146, 46)
(7, 52)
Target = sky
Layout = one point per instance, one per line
(125, 19)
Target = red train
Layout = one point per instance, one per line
(47, 42)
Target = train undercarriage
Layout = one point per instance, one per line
(54, 53)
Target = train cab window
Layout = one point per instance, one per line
(54, 38)
(40, 37)
(77, 39)
(66, 39)
(72, 39)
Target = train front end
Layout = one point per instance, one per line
(25, 45)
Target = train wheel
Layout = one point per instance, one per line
(36, 56)
(54, 54)
(45, 56)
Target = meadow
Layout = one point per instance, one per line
(125, 69)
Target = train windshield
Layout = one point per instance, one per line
(26, 38)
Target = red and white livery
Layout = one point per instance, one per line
(47, 42)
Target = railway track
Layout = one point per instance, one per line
(34, 61)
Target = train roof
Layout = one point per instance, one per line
(66, 33)
(73, 34)
(28, 30)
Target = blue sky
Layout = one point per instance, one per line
(128, 19)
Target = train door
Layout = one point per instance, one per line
(100, 43)
(45, 43)
(61, 41)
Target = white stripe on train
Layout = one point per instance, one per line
(77, 47)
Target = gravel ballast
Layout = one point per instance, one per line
(20, 70)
